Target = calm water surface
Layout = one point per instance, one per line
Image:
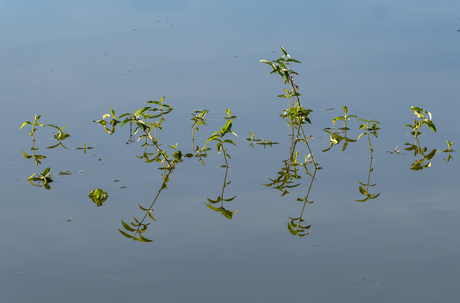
(72, 61)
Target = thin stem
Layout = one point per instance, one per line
(158, 194)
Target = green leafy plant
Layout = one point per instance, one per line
(335, 137)
(198, 119)
(370, 127)
(425, 119)
(219, 136)
(295, 115)
(41, 179)
(105, 122)
(60, 135)
(34, 125)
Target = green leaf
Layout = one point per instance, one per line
(25, 155)
(125, 234)
(228, 200)
(144, 238)
(150, 215)
(25, 123)
(284, 51)
(145, 209)
(127, 227)
(374, 196)
(363, 200)
(430, 125)
(430, 155)
(291, 230)
(46, 171)
(362, 190)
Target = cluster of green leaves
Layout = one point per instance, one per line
(297, 227)
(219, 137)
(286, 179)
(198, 119)
(144, 125)
(34, 125)
(98, 196)
(295, 115)
(335, 136)
(105, 122)
(424, 119)
(59, 136)
(281, 66)
(41, 179)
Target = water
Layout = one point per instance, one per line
(71, 62)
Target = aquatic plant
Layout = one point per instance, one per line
(295, 115)
(335, 137)
(219, 136)
(60, 135)
(98, 196)
(370, 127)
(425, 119)
(41, 179)
(448, 150)
(34, 125)
(36, 158)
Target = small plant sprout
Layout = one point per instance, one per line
(105, 122)
(335, 136)
(41, 179)
(60, 135)
(263, 142)
(198, 119)
(219, 137)
(448, 151)
(425, 117)
(34, 124)
(84, 147)
(252, 140)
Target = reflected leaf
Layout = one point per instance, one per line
(98, 196)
